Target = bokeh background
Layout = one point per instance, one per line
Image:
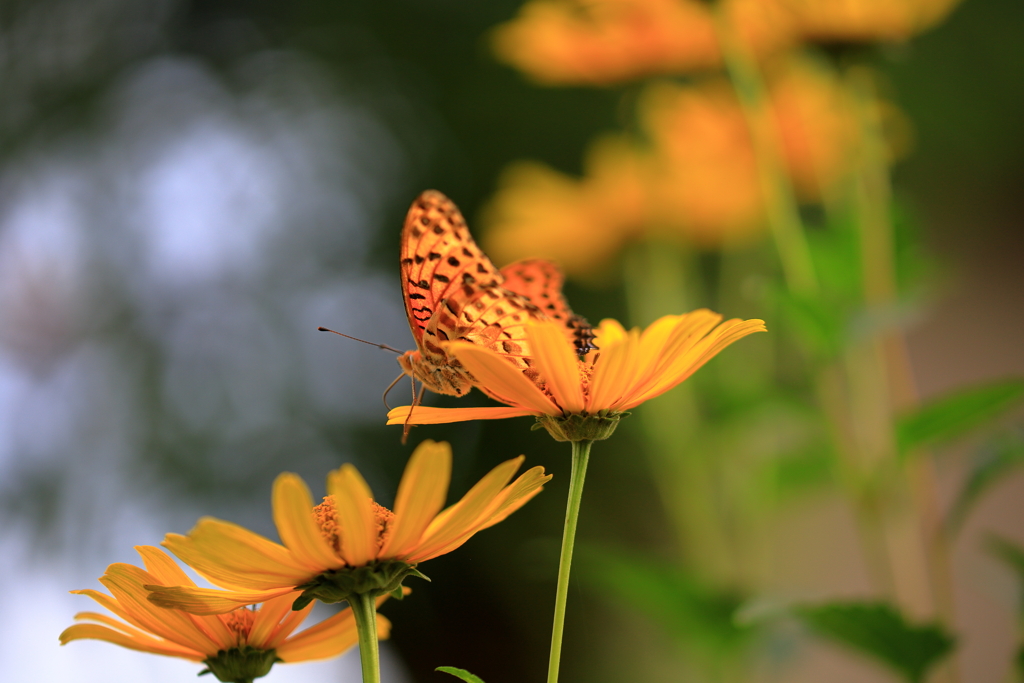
(187, 189)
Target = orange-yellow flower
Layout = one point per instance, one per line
(601, 42)
(243, 637)
(694, 177)
(348, 544)
(630, 368)
(865, 20)
(581, 224)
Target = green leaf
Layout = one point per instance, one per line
(955, 414)
(701, 615)
(878, 630)
(460, 673)
(993, 464)
(1013, 555)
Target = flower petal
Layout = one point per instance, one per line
(464, 515)
(421, 495)
(615, 371)
(132, 642)
(691, 359)
(235, 558)
(266, 624)
(503, 381)
(293, 515)
(205, 601)
(425, 415)
(357, 527)
(162, 568)
(329, 638)
(557, 364)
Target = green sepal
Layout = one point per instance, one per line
(340, 585)
(578, 427)
(240, 664)
(460, 673)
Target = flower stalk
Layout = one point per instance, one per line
(364, 609)
(580, 457)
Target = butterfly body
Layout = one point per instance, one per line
(454, 293)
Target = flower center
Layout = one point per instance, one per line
(240, 623)
(326, 515)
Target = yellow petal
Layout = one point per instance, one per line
(691, 359)
(205, 601)
(267, 621)
(421, 495)
(143, 644)
(126, 582)
(327, 639)
(453, 522)
(425, 415)
(234, 557)
(503, 380)
(557, 364)
(162, 568)
(614, 372)
(609, 331)
(357, 527)
(510, 499)
(293, 515)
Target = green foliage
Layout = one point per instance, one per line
(699, 614)
(460, 673)
(879, 630)
(955, 414)
(993, 464)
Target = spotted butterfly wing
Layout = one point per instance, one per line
(540, 281)
(454, 292)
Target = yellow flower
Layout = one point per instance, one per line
(581, 224)
(866, 20)
(630, 368)
(601, 42)
(243, 643)
(348, 544)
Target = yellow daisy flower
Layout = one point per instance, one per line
(348, 545)
(240, 645)
(582, 399)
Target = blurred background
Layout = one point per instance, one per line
(188, 189)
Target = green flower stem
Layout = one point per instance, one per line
(364, 609)
(580, 456)
(780, 202)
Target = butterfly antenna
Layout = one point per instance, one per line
(379, 346)
(390, 387)
(417, 399)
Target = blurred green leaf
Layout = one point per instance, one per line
(460, 673)
(995, 463)
(955, 414)
(879, 630)
(700, 614)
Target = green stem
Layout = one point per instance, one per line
(364, 609)
(781, 208)
(580, 456)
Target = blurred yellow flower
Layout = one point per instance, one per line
(243, 643)
(866, 20)
(600, 42)
(348, 544)
(581, 224)
(694, 176)
(630, 368)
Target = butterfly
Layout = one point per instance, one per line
(454, 293)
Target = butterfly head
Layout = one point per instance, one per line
(441, 378)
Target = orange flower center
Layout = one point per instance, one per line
(326, 516)
(240, 623)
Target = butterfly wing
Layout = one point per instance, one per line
(438, 257)
(540, 281)
(454, 292)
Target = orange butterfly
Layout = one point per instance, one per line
(454, 292)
